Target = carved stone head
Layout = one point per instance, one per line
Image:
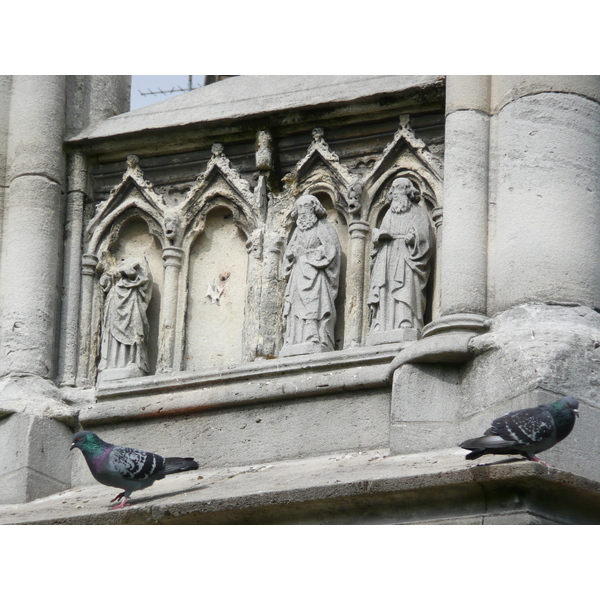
(354, 198)
(307, 210)
(172, 224)
(401, 193)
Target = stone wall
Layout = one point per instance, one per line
(149, 273)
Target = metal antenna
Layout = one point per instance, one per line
(171, 91)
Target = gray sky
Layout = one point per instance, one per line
(142, 84)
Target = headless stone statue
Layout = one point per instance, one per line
(400, 267)
(123, 351)
(312, 267)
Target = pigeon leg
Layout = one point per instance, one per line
(118, 497)
(538, 460)
(123, 504)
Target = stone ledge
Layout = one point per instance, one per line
(259, 368)
(355, 487)
(249, 383)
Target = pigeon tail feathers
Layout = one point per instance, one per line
(175, 464)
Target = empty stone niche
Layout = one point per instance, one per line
(218, 267)
(135, 241)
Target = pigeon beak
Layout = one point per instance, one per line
(72, 446)
(576, 413)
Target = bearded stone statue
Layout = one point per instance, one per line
(400, 267)
(312, 268)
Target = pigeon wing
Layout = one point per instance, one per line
(527, 426)
(132, 464)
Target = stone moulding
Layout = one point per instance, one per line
(448, 347)
(249, 383)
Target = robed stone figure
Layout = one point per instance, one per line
(400, 266)
(312, 268)
(124, 351)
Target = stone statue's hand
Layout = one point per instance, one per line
(410, 238)
(317, 257)
(105, 283)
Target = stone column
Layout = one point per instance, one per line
(546, 222)
(69, 343)
(86, 345)
(5, 89)
(355, 283)
(271, 297)
(32, 457)
(462, 260)
(252, 317)
(172, 257)
(32, 234)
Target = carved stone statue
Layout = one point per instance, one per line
(123, 351)
(400, 267)
(312, 267)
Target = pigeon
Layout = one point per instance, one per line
(126, 468)
(527, 432)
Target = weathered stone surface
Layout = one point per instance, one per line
(531, 355)
(546, 213)
(339, 488)
(33, 461)
(216, 298)
(468, 92)
(507, 88)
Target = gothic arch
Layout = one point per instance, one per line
(133, 195)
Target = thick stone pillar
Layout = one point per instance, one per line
(463, 253)
(32, 228)
(526, 191)
(172, 257)
(355, 283)
(33, 438)
(466, 165)
(546, 191)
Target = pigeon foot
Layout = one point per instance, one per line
(539, 460)
(118, 497)
(123, 504)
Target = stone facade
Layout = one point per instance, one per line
(165, 282)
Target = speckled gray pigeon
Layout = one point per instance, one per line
(126, 468)
(527, 432)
